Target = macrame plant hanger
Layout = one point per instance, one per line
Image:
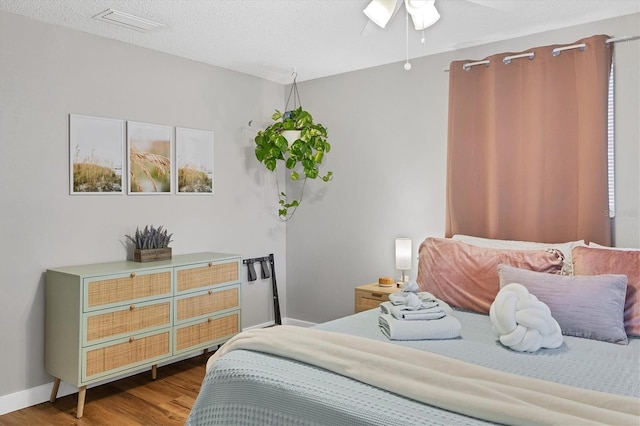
(296, 97)
(288, 113)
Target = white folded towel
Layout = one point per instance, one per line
(447, 327)
(522, 322)
(412, 302)
(433, 313)
(410, 286)
(402, 311)
(385, 307)
(400, 297)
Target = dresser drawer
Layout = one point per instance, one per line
(125, 353)
(207, 332)
(371, 296)
(108, 324)
(205, 275)
(126, 288)
(365, 304)
(206, 303)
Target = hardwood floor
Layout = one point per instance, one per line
(135, 400)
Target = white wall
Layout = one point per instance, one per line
(48, 72)
(388, 130)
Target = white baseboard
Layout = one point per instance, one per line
(39, 394)
(28, 397)
(299, 323)
(34, 396)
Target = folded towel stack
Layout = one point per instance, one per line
(412, 315)
(447, 327)
(522, 322)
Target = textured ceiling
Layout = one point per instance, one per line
(317, 38)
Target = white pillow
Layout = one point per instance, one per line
(612, 248)
(565, 248)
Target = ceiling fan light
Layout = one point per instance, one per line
(380, 11)
(425, 17)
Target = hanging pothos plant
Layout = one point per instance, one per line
(302, 154)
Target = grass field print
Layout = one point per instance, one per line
(96, 152)
(150, 149)
(194, 159)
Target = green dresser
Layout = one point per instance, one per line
(109, 319)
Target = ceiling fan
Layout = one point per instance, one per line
(423, 12)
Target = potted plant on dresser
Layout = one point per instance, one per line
(151, 244)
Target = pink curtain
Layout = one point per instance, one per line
(527, 146)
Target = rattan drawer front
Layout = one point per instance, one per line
(206, 275)
(127, 353)
(128, 320)
(208, 332)
(126, 288)
(207, 303)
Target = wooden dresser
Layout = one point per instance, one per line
(109, 319)
(370, 296)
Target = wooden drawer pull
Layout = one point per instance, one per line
(132, 307)
(133, 275)
(131, 339)
(376, 294)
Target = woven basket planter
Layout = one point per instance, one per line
(151, 255)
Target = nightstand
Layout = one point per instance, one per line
(370, 296)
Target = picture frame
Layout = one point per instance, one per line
(96, 155)
(149, 158)
(194, 161)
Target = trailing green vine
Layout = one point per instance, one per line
(302, 158)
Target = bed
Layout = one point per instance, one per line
(347, 372)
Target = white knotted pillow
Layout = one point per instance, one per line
(522, 322)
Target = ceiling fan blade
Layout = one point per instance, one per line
(367, 28)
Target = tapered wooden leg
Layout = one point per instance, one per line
(154, 371)
(82, 392)
(54, 390)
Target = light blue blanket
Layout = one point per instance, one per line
(247, 388)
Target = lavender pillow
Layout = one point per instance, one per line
(584, 306)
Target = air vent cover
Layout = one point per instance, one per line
(127, 20)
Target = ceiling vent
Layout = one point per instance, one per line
(127, 20)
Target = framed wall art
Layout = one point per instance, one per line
(194, 161)
(96, 155)
(149, 160)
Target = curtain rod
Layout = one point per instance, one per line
(555, 52)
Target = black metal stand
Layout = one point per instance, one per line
(264, 269)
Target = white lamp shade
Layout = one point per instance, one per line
(403, 254)
(380, 11)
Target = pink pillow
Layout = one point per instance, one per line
(597, 261)
(466, 276)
